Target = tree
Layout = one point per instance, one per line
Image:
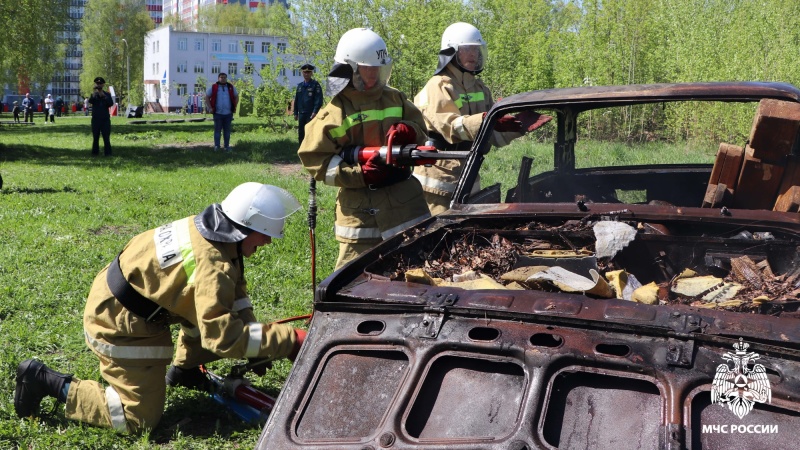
(105, 24)
(30, 51)
(246, 88)
(273, 96)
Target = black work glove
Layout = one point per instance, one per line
(259, 366)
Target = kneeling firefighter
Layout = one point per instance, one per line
(188, 272)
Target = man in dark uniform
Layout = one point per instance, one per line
(307, 100)
(101, 117)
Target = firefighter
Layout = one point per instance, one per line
(454, 102)
(188, 272)
(375, 200)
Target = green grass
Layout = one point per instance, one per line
(64, 215)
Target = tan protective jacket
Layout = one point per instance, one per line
(353, 118)
(201, 284)
(453, 104)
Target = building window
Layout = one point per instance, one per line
(155, 71)
(200, 44)
(295, 72)
(248, 69)
(182, 89)
(157, 68)
(249, 46)
(215, 68)
(233, 47)
(216, 45)
(199, 67)
(198, 89)
(182, 67)
(281, 47)
(265, 47)
(232, 69)
(182, 44)
(155, 46)
(282, 72)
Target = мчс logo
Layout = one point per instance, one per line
(742, 385)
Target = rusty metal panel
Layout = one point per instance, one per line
(411, 363)
(586, 409)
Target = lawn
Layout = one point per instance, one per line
(64, 215)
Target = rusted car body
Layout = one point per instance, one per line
(398, 363)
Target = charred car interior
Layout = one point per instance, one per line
(555, 313)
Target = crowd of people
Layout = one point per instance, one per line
(190, 272)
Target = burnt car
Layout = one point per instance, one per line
(638, 306)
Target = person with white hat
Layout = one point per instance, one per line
(375, 200)
(454, 102)
(49, 110)
(189, 272)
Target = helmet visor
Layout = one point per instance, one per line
(471, 57)
(368, 77)
(268, 216)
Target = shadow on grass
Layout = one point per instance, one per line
(194, 415)
(198, 416)
(167, 157)
(117, 127)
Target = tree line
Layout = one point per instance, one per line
(542, 44)
(533, 44)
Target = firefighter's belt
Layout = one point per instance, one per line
(440, 143)
(132, 300)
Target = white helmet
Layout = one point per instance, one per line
(260, 207)
(459, 35)
(363, 47)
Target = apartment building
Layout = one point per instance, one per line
(187, 10)
(179, 63)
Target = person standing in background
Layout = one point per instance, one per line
(28, 106)
(49, 109)
(101, 117)
(221, 100)
(16, 111)
(307, 100)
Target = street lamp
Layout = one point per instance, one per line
(128, 69)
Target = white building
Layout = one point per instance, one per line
(177, 62)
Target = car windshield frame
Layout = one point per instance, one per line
(568, 103)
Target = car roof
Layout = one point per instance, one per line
(599, 96)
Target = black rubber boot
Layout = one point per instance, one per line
(191, 378)
(34, 381)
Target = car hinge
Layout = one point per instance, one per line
(683, 324)
(680, 353)
(435, 310)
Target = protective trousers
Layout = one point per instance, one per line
(132, 402)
